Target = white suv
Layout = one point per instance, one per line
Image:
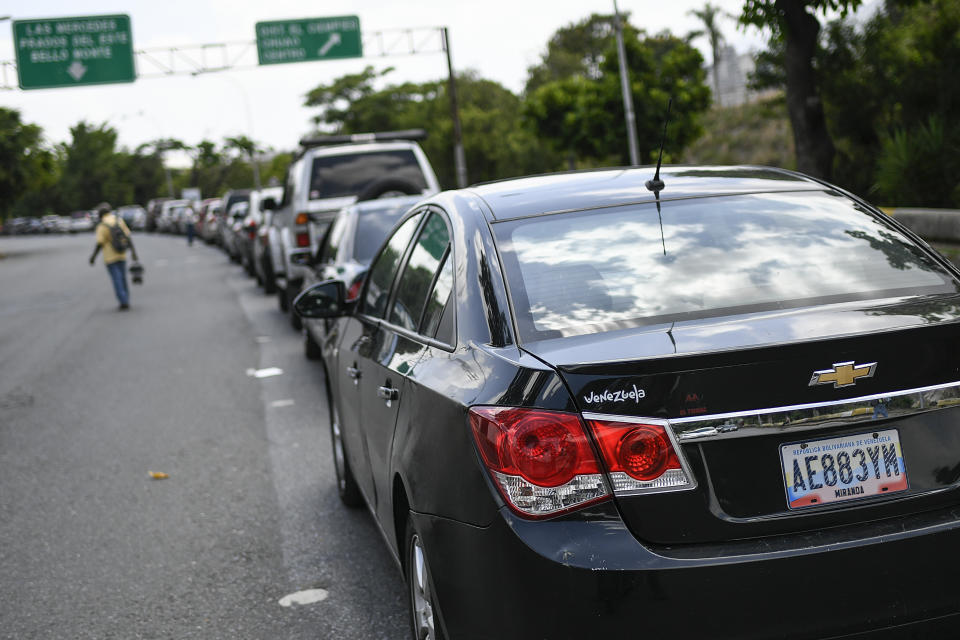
(331, 173)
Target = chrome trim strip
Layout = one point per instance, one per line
(683, 428)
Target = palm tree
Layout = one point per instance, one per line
(709, 16)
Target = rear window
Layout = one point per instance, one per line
(602, 270)
(349, 174)
(373, 226)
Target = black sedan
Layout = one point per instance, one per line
(727, 408)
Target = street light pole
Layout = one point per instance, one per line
(625, 88)
(459, 158)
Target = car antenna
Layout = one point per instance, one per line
(656, 185)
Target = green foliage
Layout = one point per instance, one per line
(584, 116)
(756, 133)
(27, 167)
(769, 14)
(920, 166)
(892, 98)
(495, 144)
(576, 50)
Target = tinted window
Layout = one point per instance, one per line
(348, 174)
(385, 268)
(600, 270)
(373, 226)
(438, 304)
(419, 274)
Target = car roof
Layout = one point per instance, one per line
(520, 197)
(358, 147)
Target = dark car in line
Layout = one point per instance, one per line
(536, 390)
(346, 250)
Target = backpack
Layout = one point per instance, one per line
(118, 239)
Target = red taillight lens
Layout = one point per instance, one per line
(542, 461)
(302, 218)
(639, 456)
(354, 291)
(252, 233)
(303, 239)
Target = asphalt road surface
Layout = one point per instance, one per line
(92, 399)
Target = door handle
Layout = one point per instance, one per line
(354, 374)
(359, 342)
(388, 393)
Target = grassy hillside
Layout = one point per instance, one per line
(754, 133)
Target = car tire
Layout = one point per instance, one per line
(290, 293)
(347, 487)
(424, 621)
(269, 283)
(310, 347)
(386, 187)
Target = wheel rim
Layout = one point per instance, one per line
(338, 455)
(420, 591)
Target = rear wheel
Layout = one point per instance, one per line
(423, 610)
(346, 484)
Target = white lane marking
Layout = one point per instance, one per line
(265, 373)
(288, 402)
(263, 339)
(310, 596)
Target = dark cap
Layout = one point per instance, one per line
(103, 207)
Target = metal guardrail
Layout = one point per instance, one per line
(941, 225)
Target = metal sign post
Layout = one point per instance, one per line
(71, 52)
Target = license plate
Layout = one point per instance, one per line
(818, 472)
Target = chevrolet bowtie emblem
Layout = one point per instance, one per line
(843, 374)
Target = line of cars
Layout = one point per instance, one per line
(76, 222)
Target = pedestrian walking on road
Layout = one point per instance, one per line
(191, 219)
(113, 237)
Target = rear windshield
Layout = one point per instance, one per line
(373, 226)
(601, 270)
(349, 174)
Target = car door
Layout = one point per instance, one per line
(360, 343)
(395, 347)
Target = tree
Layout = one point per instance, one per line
(26, 165)
(251, 149)
(496, 144)
(795, 23)
(709, 16)
(584, 116)
(576, 50)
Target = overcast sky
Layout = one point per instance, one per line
(497, 38)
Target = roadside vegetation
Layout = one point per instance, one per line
(873, 106)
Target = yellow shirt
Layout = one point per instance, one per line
(110, 255)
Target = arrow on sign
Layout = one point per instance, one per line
(76, 70)
(330, 44)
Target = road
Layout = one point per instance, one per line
(92, 399)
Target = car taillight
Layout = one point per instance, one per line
(541, 461)
(354, 291)
(252, 232)
(303, 239)
(302, 218)
(639, 457)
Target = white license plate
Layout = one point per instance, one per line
(819, 472)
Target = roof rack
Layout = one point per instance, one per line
(380, 136)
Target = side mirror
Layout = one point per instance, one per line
(322, 300)
(268, 204)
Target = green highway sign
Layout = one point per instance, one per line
(281, 41)
(70, 52)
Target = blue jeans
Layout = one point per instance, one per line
(118, 275)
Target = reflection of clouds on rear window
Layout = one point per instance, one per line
(613, 266)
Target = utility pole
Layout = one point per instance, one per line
(459, 158)
(625, 87)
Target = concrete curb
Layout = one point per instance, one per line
(929, 224)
